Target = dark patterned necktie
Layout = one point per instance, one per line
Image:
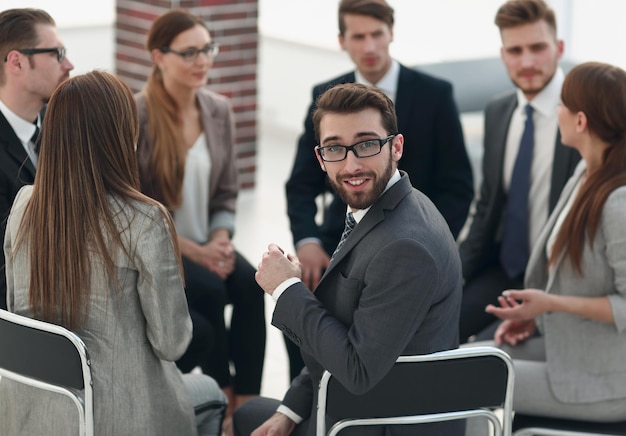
(515, 247)
(350, 223)
(35, 139)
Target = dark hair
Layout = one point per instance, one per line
(517, 12)
(350, 98)
(378, 9)
(599, 91)
(87, 158)
(167, 162)
(17, 31)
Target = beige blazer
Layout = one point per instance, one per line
(586, 359)
(133, 340)
(218, 124)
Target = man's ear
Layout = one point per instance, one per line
(397, 147)
(319, 160)
(14, 61)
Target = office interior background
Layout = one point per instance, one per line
(298, 48)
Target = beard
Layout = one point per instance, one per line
(362, 199)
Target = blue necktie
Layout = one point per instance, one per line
(350, 223)
(515, 247)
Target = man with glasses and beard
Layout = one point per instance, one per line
(393, 285)
(34, 64)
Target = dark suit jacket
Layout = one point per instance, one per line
(16, 170)
(393, 289)
(481, 247)
(434, 157)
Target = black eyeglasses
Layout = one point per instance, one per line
(191, 54)
(367, 148)
(60, 51)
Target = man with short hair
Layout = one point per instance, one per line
(393, 285)
(33, 65)
(524, 168)
(434, 155)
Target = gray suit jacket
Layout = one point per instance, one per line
(481, 246)
(585, 358)
(133, 339)
(393, 289)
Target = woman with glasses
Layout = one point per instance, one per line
(85, 249)
(187, 161)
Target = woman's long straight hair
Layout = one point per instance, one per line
(167, 163)
(599, 91)
(87, 157)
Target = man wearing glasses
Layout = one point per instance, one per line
(33, 65)
(393, 286)
(435, 157)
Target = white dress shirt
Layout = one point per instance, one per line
(387, 84)
(545, 105)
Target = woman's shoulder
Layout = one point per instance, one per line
(213, 99)
(614, 210)
(138, 212)
(20, 202)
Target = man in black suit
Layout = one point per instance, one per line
(531, 52)
(434, 153)
(34, 63)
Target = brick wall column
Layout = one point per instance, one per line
(233, 24)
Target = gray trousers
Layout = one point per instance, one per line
(208, 401)
(532, 394)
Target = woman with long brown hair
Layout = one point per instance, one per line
(576, 278)
(87, 250)
(187, 161)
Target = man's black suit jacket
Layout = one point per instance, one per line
(434, 157)
(16, 170)
(481, 246)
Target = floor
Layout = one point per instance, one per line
(262, 219)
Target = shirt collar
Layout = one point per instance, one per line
(548, 99)
(24, 130)
(389, 82)
(360, 213)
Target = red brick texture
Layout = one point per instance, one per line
(233, 23)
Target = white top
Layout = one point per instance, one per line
(192, 218)
(24, 130)
(389, 82)
(545, 105)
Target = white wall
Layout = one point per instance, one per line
(85, 26)
(424, 32)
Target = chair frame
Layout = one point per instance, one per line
(55, 371)
(540, 431)
(457, 356)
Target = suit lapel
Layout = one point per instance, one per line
(404, 100)
(536, 273)
(560, 169)
(14, 147)
(501, 130)
(388, 201)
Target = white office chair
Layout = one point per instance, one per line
(48, 357)
(444, 386)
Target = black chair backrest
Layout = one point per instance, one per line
(39, 354)
(470, 383)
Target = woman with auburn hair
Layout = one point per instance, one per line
(85, 249)
(187, 161)
(576, 276)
